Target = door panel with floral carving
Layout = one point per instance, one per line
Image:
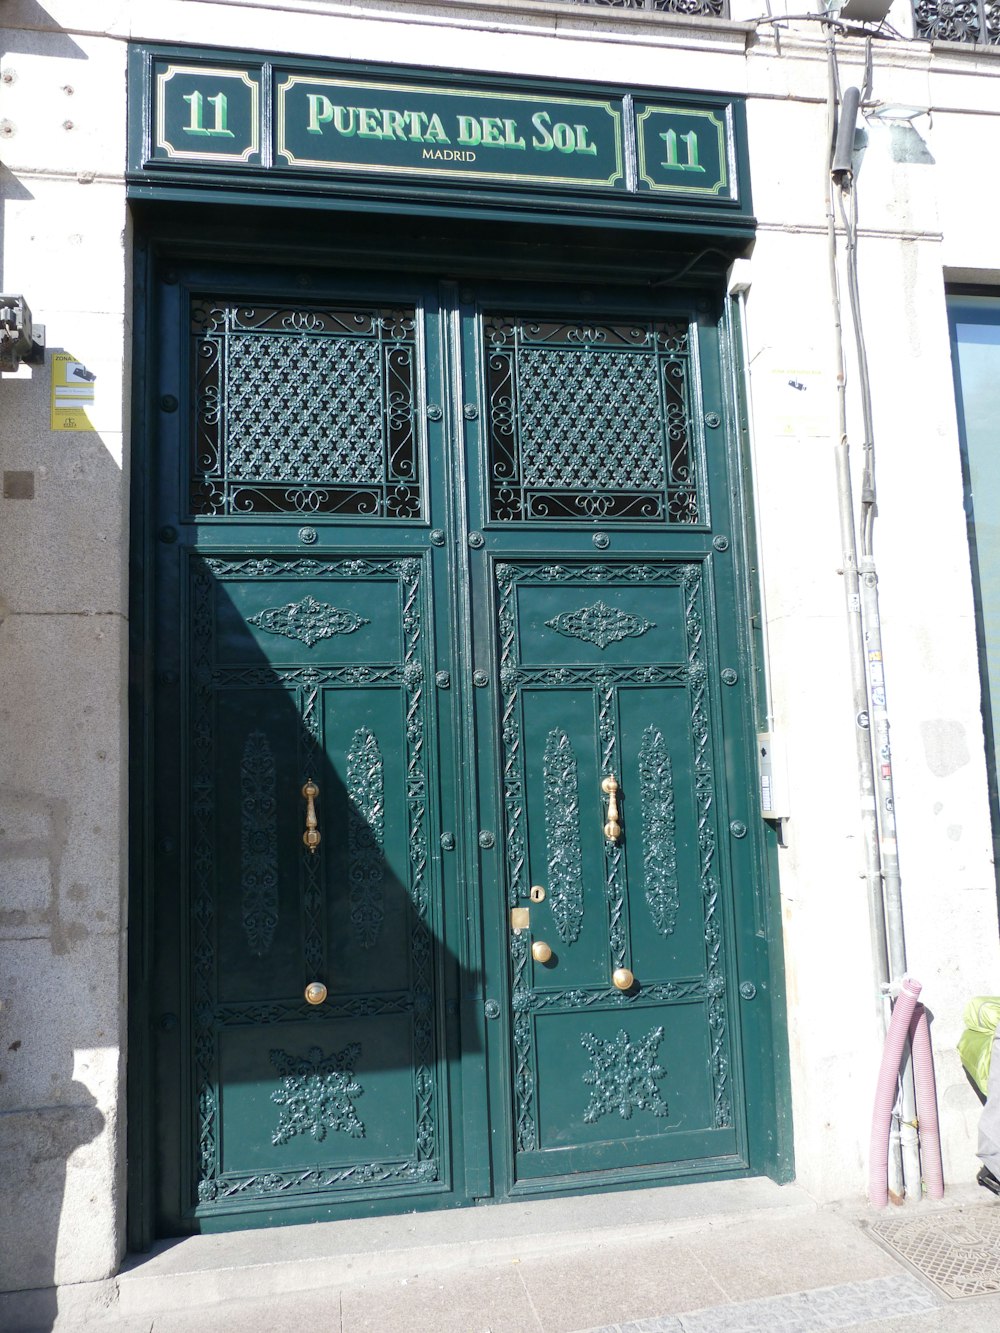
(611, 1071)
(299, 915)
(607, 597)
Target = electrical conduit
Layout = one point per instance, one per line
(885, 1091)
(927, 1111)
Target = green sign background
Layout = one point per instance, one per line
(327, 132)
(342, 124)
(192, 124)
(684, 150)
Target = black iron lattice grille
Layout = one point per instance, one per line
(958, 21)
(712, 8)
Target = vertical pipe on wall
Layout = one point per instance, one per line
(738, 288)
(855, 629)
(842, 176)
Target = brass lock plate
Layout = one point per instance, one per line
(536, 893)
(519, 918)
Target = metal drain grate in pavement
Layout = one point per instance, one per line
(956, 1249)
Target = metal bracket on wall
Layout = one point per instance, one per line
(20, 340)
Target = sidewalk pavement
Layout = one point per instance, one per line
(739, 1257)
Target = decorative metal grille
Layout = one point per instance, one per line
(714, 8)
(589, 421)
(958, 21)
(304, 411)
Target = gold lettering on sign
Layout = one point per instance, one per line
(447, 155)
(561, 136)
(372, 122)
(196, 125)
(690, 141)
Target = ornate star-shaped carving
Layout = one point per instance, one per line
(623, 1075)
(316, 1094)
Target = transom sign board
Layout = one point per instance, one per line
(286, 123)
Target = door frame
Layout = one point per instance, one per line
(166, 234)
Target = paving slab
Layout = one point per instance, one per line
(484, 1301)
(981, 1315)
(702, 1259)
(756, 1258)
(618, 1281)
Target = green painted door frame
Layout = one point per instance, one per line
(529, 655)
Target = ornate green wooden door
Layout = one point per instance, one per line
(608, 600)
(406, 537)
(300, 906)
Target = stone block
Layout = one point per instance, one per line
(62, 766)
(57, 102)
(61, 1024)
(60, 1222)
(64, 243)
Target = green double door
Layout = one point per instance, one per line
(450, 800)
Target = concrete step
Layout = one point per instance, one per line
(251, 1265)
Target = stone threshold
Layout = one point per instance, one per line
(198, 1271)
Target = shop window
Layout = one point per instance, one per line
(975, 342)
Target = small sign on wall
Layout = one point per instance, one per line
(73, 393)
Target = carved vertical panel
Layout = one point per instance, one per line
(317, 1091)
(421, 941)
(365, 836)
(258, 843)
(203, 838)
(704, 784)
(659, 834)
(310, 700)
(513, 784)
(607, 725)
(562, 834)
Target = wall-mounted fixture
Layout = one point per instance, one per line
(859, 11)
(898, 113)
(20, 340)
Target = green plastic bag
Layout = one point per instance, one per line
(975, 1045)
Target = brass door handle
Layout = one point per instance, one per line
(315, 992)
(541, 952)
(612, 828)
(622, 978)
(311, 837)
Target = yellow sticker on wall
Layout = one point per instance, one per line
(73, 393)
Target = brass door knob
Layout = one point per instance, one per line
(541, 952)
(315, 992)
(622, 978)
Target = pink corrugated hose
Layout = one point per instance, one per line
(927, 1111)
(885, 1091)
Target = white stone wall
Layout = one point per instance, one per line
(63, 666)
(923, 191)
